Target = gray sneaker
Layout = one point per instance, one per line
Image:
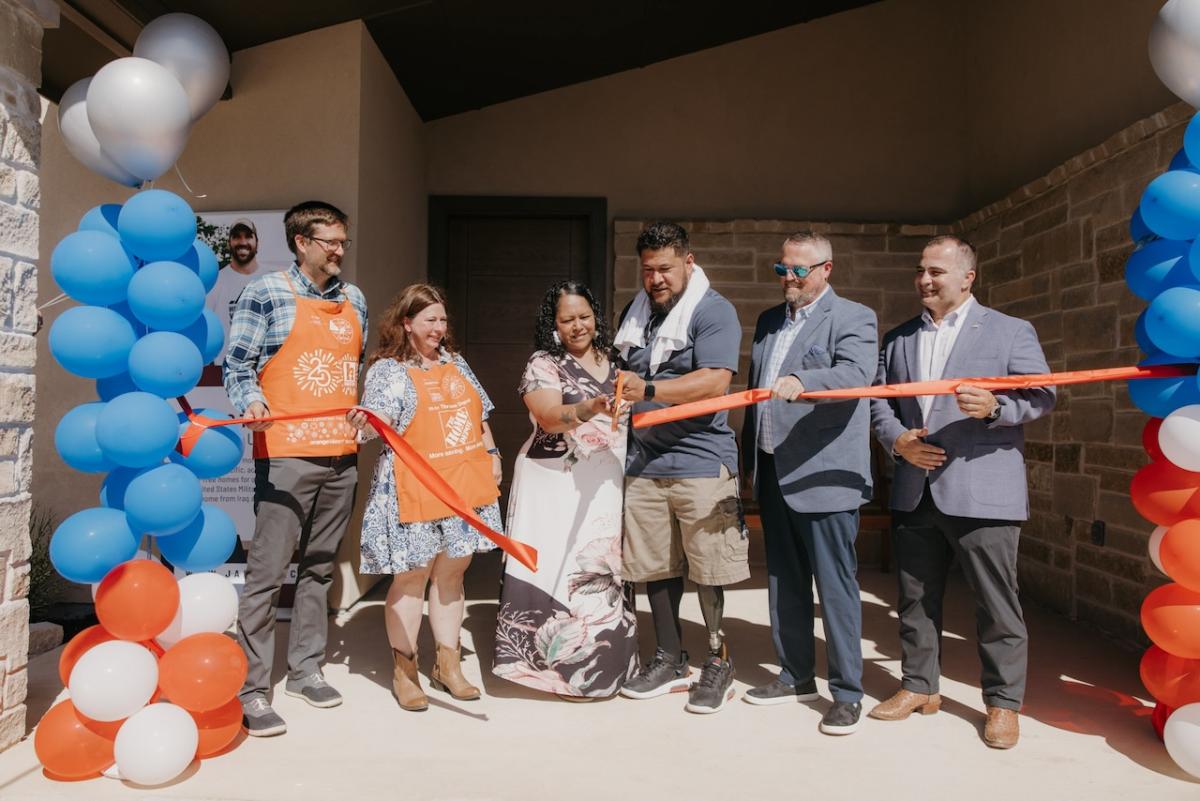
(713, 688)
(662, 675)
(777, 692)
(259, 720)
(313, 689)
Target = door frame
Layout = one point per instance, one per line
(595, 209)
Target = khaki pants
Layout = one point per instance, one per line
(697, 522)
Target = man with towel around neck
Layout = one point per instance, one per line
(680, 340)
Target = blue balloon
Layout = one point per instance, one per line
(207, 542)
(102, 218)
(216, 451)
(203, 262)
(162, 500)
(1138, 230)
(92, 267)
(111, 387)
(166, 296)
(1158, 397)
(166, 364)
(1173, 321)
(122, 308)
(207, 335)
(1159, 265)
(157, 225)
(137, 429)
(1171, 205)
(75, 439)
(92, 341)
(1139, 333)
(90, 543)
(112, 491)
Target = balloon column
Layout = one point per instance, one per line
(1164, 270)
(154, 685)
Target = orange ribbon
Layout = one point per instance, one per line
(945, 386)
(425, 473)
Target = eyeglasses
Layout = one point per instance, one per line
(330, 245)
(800, 272)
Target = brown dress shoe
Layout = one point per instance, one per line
(447, 674)
(904, 703)
(406, 684)
(1002, 729)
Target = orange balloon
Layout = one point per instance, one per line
(1164, 494)
(202, 672)
(72, 746)
(1172, 680)
(137, 600)
(1171, 618)
(80, 644)
(218, 727)
(1150, 439)
(1180, 553)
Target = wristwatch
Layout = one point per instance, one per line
(648, 392)
(994, 415)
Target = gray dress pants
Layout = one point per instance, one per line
(299, 503)
(925, 541)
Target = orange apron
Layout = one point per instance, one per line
(446, 430)
(317, 368)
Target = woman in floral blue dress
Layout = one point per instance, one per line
(418, 383)
(568, 628)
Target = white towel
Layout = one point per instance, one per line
(672, 334)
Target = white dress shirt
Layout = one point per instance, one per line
(792, 324)
(935, 341)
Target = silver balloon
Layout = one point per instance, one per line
(1175, 48)
(79, 139)
(193, 52)
(139, 114)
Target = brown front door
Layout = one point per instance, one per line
(496, 258)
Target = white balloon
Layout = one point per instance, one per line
(1155, 547)
(1182, 737)
(207, 602)
(79, 139)
(193, 51)
(139, 114)
(113, 680)
(1179, 437)
(156, 745)
(1175, 48)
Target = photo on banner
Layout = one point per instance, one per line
(248, 244)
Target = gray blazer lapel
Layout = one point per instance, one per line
(820, 317)
(774, 326)
(967, 338)
(912, 367)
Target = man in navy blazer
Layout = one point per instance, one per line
(959, 488)
(812, 470)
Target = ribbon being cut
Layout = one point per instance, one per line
(916, 388)
(413, 461)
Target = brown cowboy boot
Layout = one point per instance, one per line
(1002, 729)
(406, 684)
(447, 674)
(904, 703)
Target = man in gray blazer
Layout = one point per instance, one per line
(959, 488)
(811, 469)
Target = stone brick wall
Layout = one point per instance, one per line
(21, 25)
(1053, 252)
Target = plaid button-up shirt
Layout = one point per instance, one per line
(263, 319)
(779, 351)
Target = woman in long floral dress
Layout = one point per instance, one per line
(568, 629)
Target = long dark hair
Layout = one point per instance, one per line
(393, 339)
(546, 324)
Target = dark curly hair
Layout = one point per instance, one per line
(661, 234)
(546, 324)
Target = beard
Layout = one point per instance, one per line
(241, 261)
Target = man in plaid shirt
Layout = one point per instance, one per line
(812, 470)
(295, 346)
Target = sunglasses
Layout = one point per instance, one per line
(800, 272)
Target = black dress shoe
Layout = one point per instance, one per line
(778, 692)
(841, 718)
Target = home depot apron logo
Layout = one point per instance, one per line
(447, 429)
(313, 370)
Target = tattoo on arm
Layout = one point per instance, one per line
(567, 417)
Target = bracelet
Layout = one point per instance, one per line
(494, 451)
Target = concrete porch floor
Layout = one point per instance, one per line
(1085, 729)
